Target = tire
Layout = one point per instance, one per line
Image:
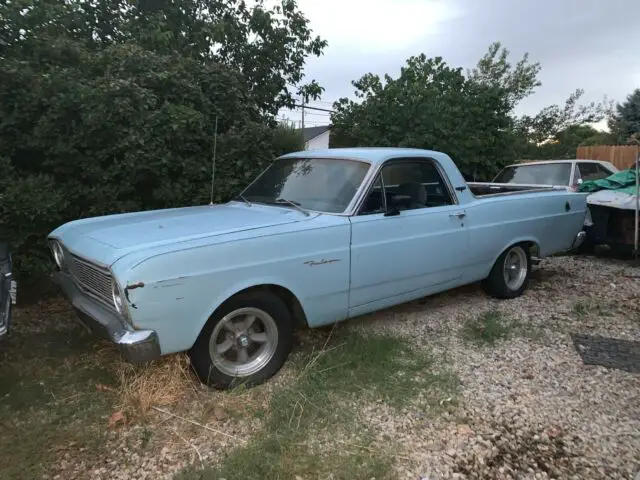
(266, 343)
(497, 285)
(587, 248)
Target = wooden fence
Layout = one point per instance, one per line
(622, 156)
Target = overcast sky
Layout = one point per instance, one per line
(589, 44)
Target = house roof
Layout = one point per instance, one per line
(312, 132)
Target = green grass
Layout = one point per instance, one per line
(488, 328)
(587, 307)
(49, 403)
(323, 403)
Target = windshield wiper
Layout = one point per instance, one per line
(241, 197)
(295, 205)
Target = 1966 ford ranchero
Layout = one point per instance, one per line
(320, 236)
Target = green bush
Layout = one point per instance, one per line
(111, 106)
(126, 130)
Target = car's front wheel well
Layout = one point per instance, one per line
(533, 247)
(286, 295)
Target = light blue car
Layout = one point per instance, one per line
(319, 237)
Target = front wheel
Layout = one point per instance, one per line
(510, 274)
(246, 341)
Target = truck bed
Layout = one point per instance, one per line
(482, 189)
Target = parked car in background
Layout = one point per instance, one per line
(567, 173)
(7, 289)
(319, 237)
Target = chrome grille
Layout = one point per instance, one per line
(92, 279)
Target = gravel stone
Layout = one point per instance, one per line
(530, 408)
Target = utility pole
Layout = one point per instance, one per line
(302, 130)
(637, 219)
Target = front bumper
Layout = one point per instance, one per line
(135, 346)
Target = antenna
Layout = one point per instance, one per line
(213, 165)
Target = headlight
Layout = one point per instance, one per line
(58, 254)
(118, 301)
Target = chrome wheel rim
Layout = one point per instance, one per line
(243, 342)
(515, 268)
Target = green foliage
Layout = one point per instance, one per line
(551, 121)
(471, 117)
(624, 123)
(111, 106)
(563, 144)
(430, 105)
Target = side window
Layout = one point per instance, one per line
(375, 201)
(604, 172)
(408, 186)
(592, 171)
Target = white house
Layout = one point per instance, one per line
(316, 138)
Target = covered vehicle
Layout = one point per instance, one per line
(319, 237)
(613, 204)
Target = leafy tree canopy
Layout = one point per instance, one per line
(111, 105)
(470, 116)
(624, 123)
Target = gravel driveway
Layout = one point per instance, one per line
(527, 407)
(530, 407)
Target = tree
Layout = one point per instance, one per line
(553, 120)
(433, 105)
(471, 117)
(110, 106)
(624, 123)
(563, 144)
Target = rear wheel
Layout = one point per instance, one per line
(510, 274)
(246, 341)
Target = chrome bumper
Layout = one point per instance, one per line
(579, 240)
(135, 346)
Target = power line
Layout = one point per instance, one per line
(313, 108)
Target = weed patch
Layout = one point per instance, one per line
(488, 328)
(310, 426)
(48, 399)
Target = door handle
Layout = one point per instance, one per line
(458, 215)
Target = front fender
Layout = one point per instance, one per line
(313, 264)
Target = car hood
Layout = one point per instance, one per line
(106, 239)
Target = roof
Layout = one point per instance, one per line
(367, 154)
(312, 132)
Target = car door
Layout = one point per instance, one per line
(408, 237)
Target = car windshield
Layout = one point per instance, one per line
(542, 174)
(323, 185)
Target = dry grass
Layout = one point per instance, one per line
(161, 383)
